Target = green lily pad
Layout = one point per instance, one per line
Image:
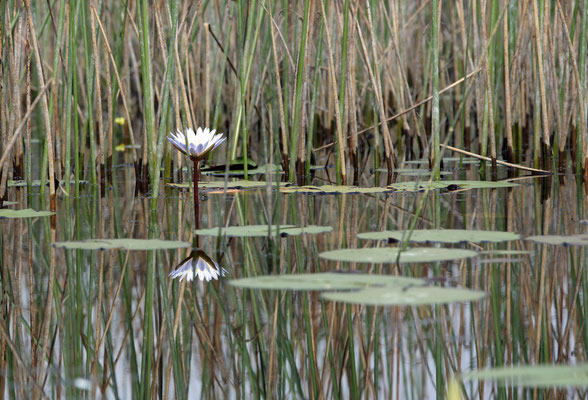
(558, 240)
(413, 171)
(408, 295)
(535, 376)
(334, 189)
(390, 255)
(239, 184)
(129, 244)
(325, 281)
(26, 213)
(442, 236)
(450, 185)
(506, 252)
(37, 182)
(262, 169)
(9, 203)
(262, 230)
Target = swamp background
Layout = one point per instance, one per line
(364, 93)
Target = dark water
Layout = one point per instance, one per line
(232, 342)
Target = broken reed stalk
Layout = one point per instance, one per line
(506, 164)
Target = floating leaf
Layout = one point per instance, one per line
(407, 295)
(239, 184)
(129, 244)
(537, 376)
(334, 189)
(26, 213)
(413, 171)
(442, 236)
(390, 255)
(263, 230)
(450, 185)
(36, 182)
(505, 252)
(240, 171)
(9, 203)
(571, 240)
(325, 281)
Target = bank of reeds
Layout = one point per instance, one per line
(325, 81)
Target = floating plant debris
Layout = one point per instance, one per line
(390, 255)
(561, 240)
(408, 295)
(442, 236)
(263, 230)
(128, 244)
(26, 213)
(325, 281)
(535, 376)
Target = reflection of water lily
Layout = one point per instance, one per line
(200, 265)
(196, 145)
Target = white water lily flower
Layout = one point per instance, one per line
(199, 265)
(196, 145)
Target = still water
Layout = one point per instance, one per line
(215, 340)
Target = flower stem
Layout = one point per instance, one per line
(196, 197)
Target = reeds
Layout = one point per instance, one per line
(400, 56)
(374, 80)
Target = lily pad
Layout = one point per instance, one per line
(129, 244)
(9, 203)
(570, 240)
(335, 189)
(390, 255)
(506, 252)
(262, 230)
(442, 236)
(325, 281)
(37, 182)
(26, 213)
(409, 295)
(536, 376)
(262, 169)
(239, 184)
(450, 185)
(413, 171)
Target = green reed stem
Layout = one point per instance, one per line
(582, 138)
(147, 83)
(435, 115)
(300, 74)
(343, 80)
